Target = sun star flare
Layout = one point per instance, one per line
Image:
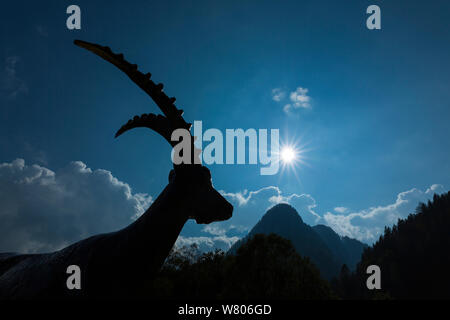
(288, 154)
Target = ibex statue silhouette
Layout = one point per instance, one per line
(123, 263)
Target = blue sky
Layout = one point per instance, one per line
(376, 125)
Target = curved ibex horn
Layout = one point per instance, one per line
(157, 123)
(164, 125)
(165, 103)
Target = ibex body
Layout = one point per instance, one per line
(123, 263)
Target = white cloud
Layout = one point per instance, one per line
(42, 210)
(367, 225)
(278, 94)
(435, 188)
(214, 229)
(249, 207)
(341, 209)
(304, 203)
(299, 99)
(11, 85)
(206, 244)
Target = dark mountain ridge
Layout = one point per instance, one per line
(347, 250)
(325, 248)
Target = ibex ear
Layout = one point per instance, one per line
(172, 176)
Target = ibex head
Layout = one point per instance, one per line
(202, 202)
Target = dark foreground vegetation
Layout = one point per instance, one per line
(266, 267)
(413, 256)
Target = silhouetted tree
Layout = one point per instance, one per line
(413, 257)
(265, 267)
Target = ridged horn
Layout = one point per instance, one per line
(164, 125)
(164, 103)
(157, 123)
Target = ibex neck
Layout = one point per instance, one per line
(153, 235)
(135, 254)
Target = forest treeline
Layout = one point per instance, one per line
(265, 267)
(413, 257)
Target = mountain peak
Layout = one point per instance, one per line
(283, 211)
(320, 243)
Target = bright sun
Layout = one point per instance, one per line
(287, 155)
